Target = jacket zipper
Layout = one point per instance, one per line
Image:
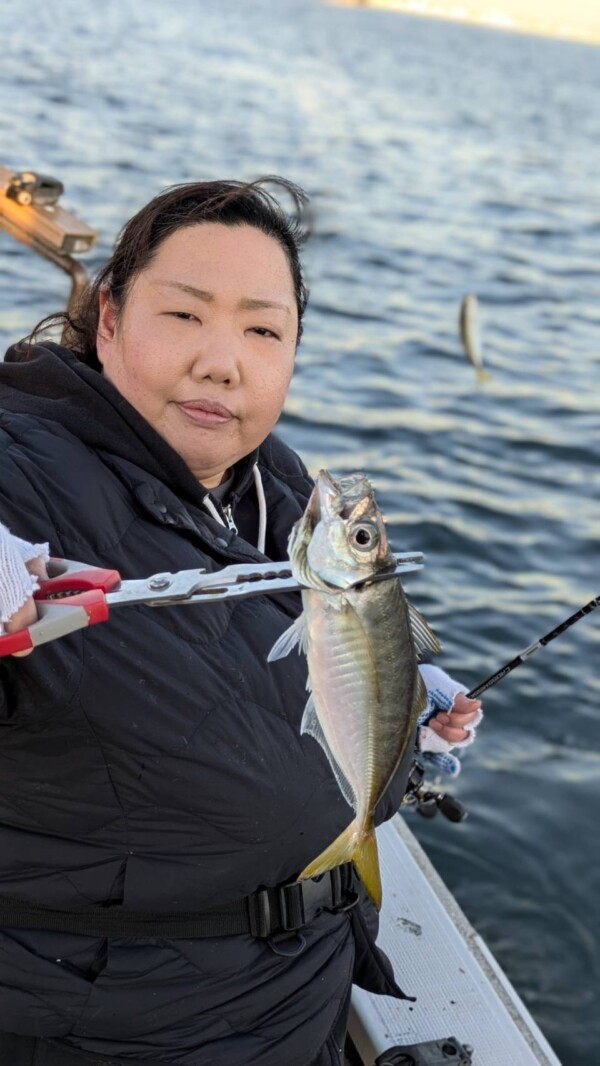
(228, 512)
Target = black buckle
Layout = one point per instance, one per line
(287, 908)
(259, 913)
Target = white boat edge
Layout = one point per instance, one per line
(424, 932)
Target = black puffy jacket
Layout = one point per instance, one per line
(156, 761)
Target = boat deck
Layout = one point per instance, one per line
(439, 958)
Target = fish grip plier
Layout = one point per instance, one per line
(77, 595)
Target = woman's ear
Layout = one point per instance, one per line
(107, 324)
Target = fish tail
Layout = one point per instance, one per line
(356, 844)
(483, 375)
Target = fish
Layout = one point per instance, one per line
(470, 334)
(362, 640)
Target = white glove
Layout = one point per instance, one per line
(441, 693)
(17, 584)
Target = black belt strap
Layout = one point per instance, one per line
(267, 912)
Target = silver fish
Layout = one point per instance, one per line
(362, 645)
(470, 334)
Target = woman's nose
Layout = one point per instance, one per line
(218, 359)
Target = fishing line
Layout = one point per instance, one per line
(541, 643)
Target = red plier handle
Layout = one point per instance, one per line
(74, 596)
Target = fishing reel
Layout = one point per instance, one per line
(427, 801)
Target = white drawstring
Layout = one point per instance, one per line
(212, 510)
(262, 509)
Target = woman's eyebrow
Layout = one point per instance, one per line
(201, 294)
(247, 303)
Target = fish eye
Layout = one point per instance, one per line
(365, 537)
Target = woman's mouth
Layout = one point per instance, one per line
(206, 412)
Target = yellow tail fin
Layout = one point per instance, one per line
(353, 845)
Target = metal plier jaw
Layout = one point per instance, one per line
(77, 595)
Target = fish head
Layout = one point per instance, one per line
(341, 539)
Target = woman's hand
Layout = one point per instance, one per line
(450, 725)
(448, 721)
(22, 565)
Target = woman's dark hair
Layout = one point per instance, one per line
(231, 203)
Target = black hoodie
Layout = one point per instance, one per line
(156, 761)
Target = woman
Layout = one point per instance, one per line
(155, 764)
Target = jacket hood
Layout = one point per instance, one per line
(50, 382)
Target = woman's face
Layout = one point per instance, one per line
(205, 343)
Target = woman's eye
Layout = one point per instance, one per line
(264, 332)
(183, 316)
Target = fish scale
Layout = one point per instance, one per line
(340, 663)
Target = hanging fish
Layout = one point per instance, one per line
(362, 646)
(470, 334)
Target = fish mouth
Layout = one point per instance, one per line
(319, 504)
(326, 490)
(339, 497)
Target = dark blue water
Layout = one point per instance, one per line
(441, 159)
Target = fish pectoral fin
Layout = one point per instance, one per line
(353, 845)
(420, 697)
(296, 635)
(425, 639)
(312, 726)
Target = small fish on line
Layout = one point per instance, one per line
(362, 645)
(470, 334)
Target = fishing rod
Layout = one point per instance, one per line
(427, 800)
(531, 650)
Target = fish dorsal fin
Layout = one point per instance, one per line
(312, 726)
(425, 639)
(296, 635)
